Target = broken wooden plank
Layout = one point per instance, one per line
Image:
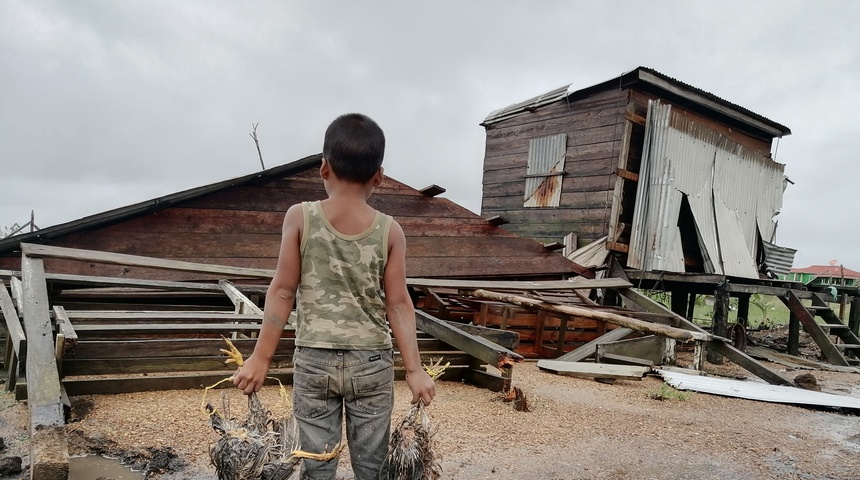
(17, 293)
(793, 361)
(242, 303)
(195, 380)
(505, 338)
(635, 324)
(733, 354)
(65, 328)
(49, 450)
(656, 349)
(16, 342)
(432, 190)
(44, 251)
(572, 284)
(95, 281)
(590, 348)
(480, 348)
(594, 370)
(617, 359)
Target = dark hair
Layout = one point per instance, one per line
(354, 146)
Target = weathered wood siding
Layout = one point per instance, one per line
(594, 126)
(241, 226)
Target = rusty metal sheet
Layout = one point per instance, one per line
(545, 169)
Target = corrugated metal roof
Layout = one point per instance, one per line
(757, 391)
(46, 234)
(653, 80)
(733, 192)
(531, 104)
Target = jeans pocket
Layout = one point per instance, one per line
(310, 391)
(374, 392)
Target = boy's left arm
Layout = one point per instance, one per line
(401, 317)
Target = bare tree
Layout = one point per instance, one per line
(257, 142)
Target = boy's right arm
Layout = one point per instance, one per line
(280, 298)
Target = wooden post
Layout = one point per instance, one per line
(793, 334)
(744, 309)
(843, 304)
(49, 450)
(854, 316)
(679, 302)
(721, 315)
(691, 306)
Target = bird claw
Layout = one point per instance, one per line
(325, 456)
(233, 352)
(436, 369)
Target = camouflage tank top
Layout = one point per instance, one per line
(340, 301)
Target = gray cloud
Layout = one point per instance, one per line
(105, 104)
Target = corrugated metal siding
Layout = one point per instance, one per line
(778, 259)
(546, 162)
(733, 192)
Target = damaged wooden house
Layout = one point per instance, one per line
(138, 298)
(674, 186)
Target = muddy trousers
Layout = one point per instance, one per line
(330, 383)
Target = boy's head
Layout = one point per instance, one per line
(354, 146)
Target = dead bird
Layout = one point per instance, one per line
(259, 446)
(410, 449)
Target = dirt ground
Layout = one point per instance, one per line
(576, 429)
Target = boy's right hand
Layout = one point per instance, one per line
(250, 376)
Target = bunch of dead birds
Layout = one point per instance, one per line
(259, 447)
(262, 447)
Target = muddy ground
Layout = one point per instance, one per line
(576, 429)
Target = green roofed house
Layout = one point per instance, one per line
(833, 274)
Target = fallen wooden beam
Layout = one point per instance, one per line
(44, 251)
(576, 283)
(620, 320)
(616, 359)
(478, 347)
(594, 370)
(49, 449)
(641, 301)
(581, 353)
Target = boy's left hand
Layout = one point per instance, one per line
(421, 385)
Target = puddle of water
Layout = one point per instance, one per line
(91, 467)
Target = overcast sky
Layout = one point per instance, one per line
(106, 103)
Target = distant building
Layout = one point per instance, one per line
(660, 174)
(835, 275)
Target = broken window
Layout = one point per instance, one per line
(545, 171)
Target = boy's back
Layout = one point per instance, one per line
(340, 300)
(339, 255)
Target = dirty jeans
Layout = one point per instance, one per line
(328, 382)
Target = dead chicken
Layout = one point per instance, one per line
(260, 446)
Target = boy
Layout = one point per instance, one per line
(337, 257)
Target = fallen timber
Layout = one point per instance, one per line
(96, 335)
(620, 320)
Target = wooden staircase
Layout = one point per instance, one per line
(837, 342)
